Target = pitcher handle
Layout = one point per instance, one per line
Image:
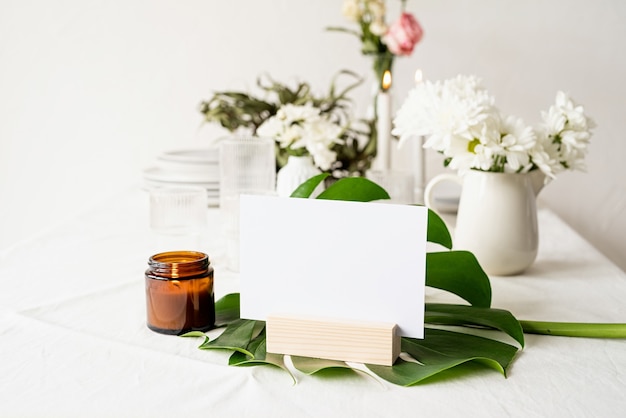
(428, 192)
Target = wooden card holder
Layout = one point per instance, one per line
(344, 340)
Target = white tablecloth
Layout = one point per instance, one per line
(73, 340)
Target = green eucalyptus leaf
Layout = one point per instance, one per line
(236, 336)
(346, 90)
(340, 29)
(458, 272)
(470, 316)
(306, 189)
(235, 95)
(438, 232)
(227, 309)
(356, 189)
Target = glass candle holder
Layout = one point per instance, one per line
(179, 292)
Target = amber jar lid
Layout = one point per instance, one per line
(179, 265)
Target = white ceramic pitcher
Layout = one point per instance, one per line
(496, 219)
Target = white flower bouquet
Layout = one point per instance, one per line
(459, 119)
(304, 130)
(301, 122)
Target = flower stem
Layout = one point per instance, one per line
(575, 329)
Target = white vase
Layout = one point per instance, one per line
(497, 218)
(294, 173)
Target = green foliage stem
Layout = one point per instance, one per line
(575, 329)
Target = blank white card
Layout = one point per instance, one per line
(333, 259)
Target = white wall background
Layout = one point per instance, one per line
(91, 91)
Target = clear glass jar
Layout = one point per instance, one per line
(179, 292)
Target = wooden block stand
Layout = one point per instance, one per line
(345, 340)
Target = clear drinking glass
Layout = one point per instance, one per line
(178, 217)
(247, 166)
(398, 184)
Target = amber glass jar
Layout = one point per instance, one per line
(179, 292)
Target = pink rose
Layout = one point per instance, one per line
(403, 35)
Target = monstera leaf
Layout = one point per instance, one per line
(449, 341)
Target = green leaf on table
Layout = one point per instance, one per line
(236, 336)
(408, 373)
(227, 309)
(194, 334)
(438, 232)
(256, 352)
(442, 350)
(259, 357)
(458, 272)
(310, 365)
(471, 316)
(439, 343)
(355, 189)
(306, 189)
(205, 338)
(323, 367)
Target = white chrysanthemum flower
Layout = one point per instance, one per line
(292, 137)
(565, 135)
(271, 128)
(516, 142)
(476, 154)
(298, 113)
(456, 116)
(459, 119)
(456, 108)
(304, 128)
(542, 160)
(467, 160)
(545, 156)
(416, 116)
(323, 157)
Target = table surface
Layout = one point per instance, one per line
(73, 340)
